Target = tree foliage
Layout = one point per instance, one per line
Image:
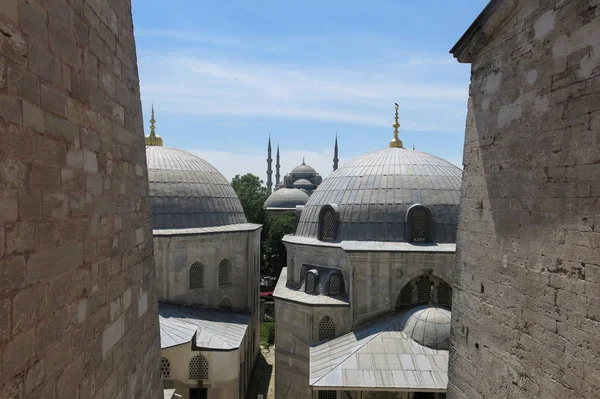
(252, 195)
(274, 252)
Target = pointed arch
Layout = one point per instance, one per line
(225, 272)
(327, 328)
(196, 276)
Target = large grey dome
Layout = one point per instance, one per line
(303, 169)
(286, 198)
(186, 191)
(374, 192)
(430, 327)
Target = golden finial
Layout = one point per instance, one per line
(153, 139)
(396, 142)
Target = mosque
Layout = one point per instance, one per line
(297, 186)
(207, 261)
(363, 306)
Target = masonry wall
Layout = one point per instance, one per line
(78, 314)
(526, 315)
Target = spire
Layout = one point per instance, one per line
(303, 161)
(269, 170)
(396, 142)
(153, 139)
(413, 145)
(335, 154)
(277, 167)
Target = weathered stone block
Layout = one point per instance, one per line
(55, 261)
(54, 100)
(33, 20)
(19, 237)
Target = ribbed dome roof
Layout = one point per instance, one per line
(374, 191)
(286, 198)
(430, 327)
(304, 168)
(186, 191)
(302, 183)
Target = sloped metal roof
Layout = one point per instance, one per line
(169, 393)
(228, 228)
(373, 193)
(214, 329)
(286, 198)
(378, 355)
(350, 246)
(186, 192)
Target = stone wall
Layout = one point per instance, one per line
(526, 315)
(78, 314)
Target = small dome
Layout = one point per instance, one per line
(303, 169)
(185, 191)
(286, 198)
(374, 192)
(429, 327)
(302, 183)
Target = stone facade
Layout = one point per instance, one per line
(77, 304)
(526, 318)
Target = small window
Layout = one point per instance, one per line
(326, 328)
(419, 221)
(310, 283)
(424, 290)
(328, 224)
(226, 303)
(335, 284)
(196, 276)
(327, 394)
(165, 368)
(444, 294)
(224, 272)
(406, 295)
(198, 368)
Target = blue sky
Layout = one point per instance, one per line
(224, 74)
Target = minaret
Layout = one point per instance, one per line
(396, 142)
(277, 167)
(153, 138)
(269, 170)
(335, 154)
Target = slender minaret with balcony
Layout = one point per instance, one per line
(335, 155)
(269, 169)
(277, 167)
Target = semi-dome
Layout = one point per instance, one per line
(286, 198)
(372, 194)
(186, 191)
(430, 327)
(302, 183)
(303, 169)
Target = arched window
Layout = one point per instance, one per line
(327, 394)
(224, 272)
(326, 328)
(165, 368)
(196, 276)
(406, 295)
(198, 368)
(336, 284)
(225, 303)
(444, 294)
(419, 224)
(311, 283)
(327, 224)
(424, 290)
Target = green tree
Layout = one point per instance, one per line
(274, 252)
(253, 195)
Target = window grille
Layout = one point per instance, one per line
(424, 290)
(224, 272)
(406, 295)
(327, 395)
(310, 283)
(196, 276)
(225, 303)
(165, 368)
(420, 225)
(335, 284)
(444, 293)
(328, 225)
(326, 328)
(198, 368)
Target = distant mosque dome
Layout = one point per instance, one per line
(303, 183)
(187, 192)
(303, 169)
(429, 327)
(374, 192)
(286, 198)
